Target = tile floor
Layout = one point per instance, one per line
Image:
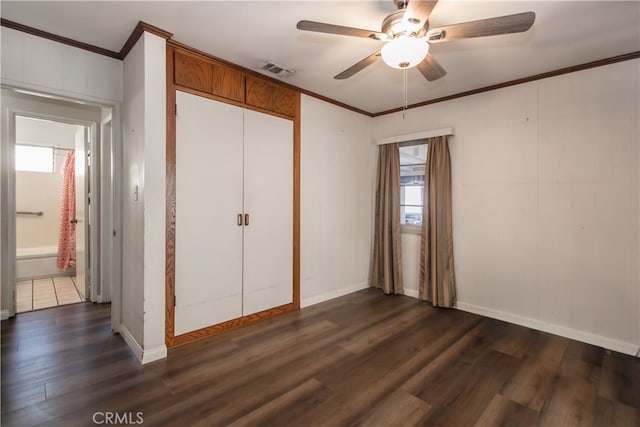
(44, 293)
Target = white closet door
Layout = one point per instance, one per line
(268, 199)
(208, 271)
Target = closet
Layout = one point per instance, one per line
(233, 212)
(233, 198)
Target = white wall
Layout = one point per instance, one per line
(133, 210)
(337, 192)
(154, 195)
(545, 202)
(144, 214)
(41, 191)
(43, 65)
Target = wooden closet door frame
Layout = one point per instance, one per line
(170, 338)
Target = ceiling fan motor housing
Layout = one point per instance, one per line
(395, 24)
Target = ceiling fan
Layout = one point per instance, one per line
(407, 36)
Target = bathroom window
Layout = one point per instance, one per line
(33, 158)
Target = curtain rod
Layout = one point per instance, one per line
(417, 135)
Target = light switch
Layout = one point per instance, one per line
(135, 193)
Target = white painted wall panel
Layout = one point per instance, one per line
(12, 54)
(143, 263)
(44, 62)
(103, 72)
(545, 202)
(338, 160)
(40, 64)
(154, 193)
(587, 196)
(75, 69)
(132, 208)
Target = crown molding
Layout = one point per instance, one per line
(56, 38)
(137, 32)
(554, 73)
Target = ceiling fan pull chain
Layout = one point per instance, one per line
(404, 88)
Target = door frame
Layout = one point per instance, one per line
(107, 211)
(105, 175)
(92, 250)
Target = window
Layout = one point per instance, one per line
(33, 158)
(413, 159)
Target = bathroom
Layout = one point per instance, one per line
(50, 205)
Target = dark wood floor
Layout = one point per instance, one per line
(363, 359)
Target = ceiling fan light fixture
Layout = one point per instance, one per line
(404, 52)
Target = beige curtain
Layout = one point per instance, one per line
(386, 266)
(437, 277)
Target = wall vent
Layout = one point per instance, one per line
(278, 70)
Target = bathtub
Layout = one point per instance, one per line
(33, 263)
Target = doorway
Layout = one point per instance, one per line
(82, 243)
(52, 193)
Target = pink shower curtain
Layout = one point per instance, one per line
(67, 236)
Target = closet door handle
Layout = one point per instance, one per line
(246, 219)
(239, 220)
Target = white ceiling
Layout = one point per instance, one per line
(565, 33)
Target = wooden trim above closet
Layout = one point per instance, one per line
(201, 75)
(268, 96)
(248, 72)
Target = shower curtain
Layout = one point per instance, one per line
(67, 236)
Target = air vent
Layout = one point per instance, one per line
(278, 70)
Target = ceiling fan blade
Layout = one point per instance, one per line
(418, 11)
(431, 69)
(484, 27)
(358, 66)
(321, 27)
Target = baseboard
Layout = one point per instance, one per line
(589, 338)
(413, 293)
(143, 356)
(306, 302)
(154, 354)
(4, 314)
(131, 342)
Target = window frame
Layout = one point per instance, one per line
(413, 228)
